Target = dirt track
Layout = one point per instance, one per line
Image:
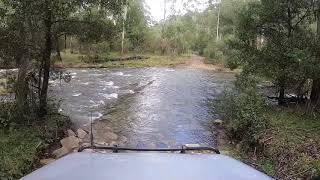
(198, 62)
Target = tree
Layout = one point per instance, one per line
(315, 92)
(34, 24)
(284, 28)
(136, 24)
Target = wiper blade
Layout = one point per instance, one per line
(116, 149)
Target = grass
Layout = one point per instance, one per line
(292, 145)
(24, 139)
(74, 60)
(18, 152)
(295, 142)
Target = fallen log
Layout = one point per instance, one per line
(291, 99)
(128, 58)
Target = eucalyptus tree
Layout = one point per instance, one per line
(273, 40)
(136, 24)
(315, 92)
(28, 31)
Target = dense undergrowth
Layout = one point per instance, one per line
(283, 142)
(103, 60)
(24, 139)
(291, 145)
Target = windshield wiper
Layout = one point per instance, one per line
(116, 149)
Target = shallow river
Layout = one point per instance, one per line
(150, 107)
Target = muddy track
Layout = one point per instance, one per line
(198, 62)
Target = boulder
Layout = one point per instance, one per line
(86, 139)
(86, 144)
(71, 133)
(110, 136)
(60, 152)
(122, 140)
(46, 161)
(81, 133)
(70, 143)
(218, 122)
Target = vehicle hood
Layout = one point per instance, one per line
(146, 166)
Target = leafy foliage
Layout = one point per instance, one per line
(243, 109)
(18, 152)
(275, 39)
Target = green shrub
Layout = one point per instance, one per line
(92, 59)
(23, 138)
(18, 152)
(243, 110)
(212, 52)
(9, 114)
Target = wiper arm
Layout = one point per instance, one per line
(116, 149)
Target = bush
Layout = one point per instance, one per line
(94, 59)
(243, 110)
(24, 138)
(9, 114)
(18, 152)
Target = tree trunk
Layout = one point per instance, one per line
(283, 77)
(123, 28)
(315, 92)
(58, 48)
(21, 88)
(65, 43)
(71, 45)
(282, 100)
(218, 22)
(163, 43)
(46, 62)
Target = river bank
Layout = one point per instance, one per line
(70, 60)
(190, 61)
(24, 145)
(291, 145)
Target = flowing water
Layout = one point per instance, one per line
(150, 107)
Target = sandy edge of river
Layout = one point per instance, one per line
(198, 62)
